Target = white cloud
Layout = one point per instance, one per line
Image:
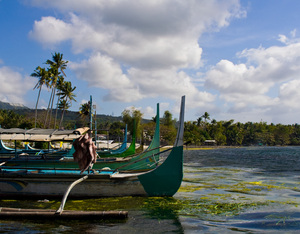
(247, 87)
(289, 93)
(103, 72)
(282, 38)
(286, 40)
(148, 112)
(51, 31)
(141, 51)
(137, 49)
(13, 86)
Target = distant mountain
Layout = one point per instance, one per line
(69, 116)
(14, 106)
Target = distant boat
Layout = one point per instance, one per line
(124, 151)
(35, 134)
(120, 149)
(164, 180)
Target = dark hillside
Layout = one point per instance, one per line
(71, 118)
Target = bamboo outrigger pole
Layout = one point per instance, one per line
(62, 205)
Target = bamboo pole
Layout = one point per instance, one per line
(17, 213)
(62, 205)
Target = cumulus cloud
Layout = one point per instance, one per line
(13, 86)
(149, 112)
(51, 30)
(289, 94)
(267, 83)
(103, 72)
(137, 49)
(145, 34)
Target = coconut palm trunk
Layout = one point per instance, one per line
(36, 105)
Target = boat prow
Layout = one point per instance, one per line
(166, 179)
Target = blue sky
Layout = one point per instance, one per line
(233, 59)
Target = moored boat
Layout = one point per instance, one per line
(121, 148)
(128, 151)
(32, 135)
(164, 180)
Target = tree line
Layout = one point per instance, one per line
(225, 133)
(196, 132)
(232, 133)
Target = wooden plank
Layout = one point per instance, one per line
(16, 213)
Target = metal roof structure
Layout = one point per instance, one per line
(37, 134)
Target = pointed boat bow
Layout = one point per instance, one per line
(166, 179)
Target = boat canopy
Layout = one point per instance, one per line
(37, 134)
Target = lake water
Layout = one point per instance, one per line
(231, 190)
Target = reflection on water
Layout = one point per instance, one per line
(252, 190)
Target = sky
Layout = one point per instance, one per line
(234, 59)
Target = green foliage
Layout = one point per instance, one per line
(116, 131)
(41, 145)
(195, 132)
(167, 119)
(128, 118)
(235, 134)
(10, 119)
(168, 134)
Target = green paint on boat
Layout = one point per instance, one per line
(172, 172)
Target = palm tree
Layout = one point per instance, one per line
(63, 105)
(54, 77)
(84, 110)
(56, 66)
(60, 84)
(206, 116)
(43, 77)
(58, 62)
(199, 120)
(66, 97)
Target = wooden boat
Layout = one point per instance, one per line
(47, 135)
(144, 161)
(10, 152)
(7, 153)
(164, 180)
(5, 149)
